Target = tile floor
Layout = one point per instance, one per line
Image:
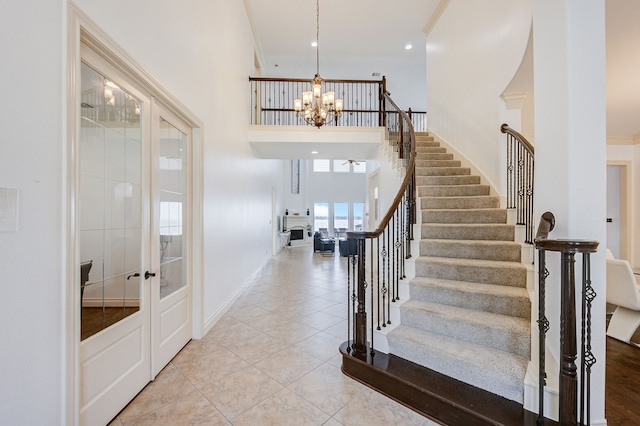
(272, 359)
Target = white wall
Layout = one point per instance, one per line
(31, 260)
(472, 54)
(202, 51)
(570, 129)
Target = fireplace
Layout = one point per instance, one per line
(299, 227)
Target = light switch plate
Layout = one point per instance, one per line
(8, 210)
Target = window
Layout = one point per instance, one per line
(358, 213)
(340, 219)
(320, 216)
(323, 166)
(360, 167)
(341, 166)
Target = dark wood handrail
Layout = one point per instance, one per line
(547, 223)
(508, 130)
(306, 80)
(361, 235)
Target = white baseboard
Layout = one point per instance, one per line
(213, 319)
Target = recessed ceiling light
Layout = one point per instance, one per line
(314, 152)
(314, 43)
(408, 46)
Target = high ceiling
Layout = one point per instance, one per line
(357, 38)
(362, 37)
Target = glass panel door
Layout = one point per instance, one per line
(173, 203)
(110, 202)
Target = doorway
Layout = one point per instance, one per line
(134, 201)
(619, 208)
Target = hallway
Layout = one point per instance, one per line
(272, 359)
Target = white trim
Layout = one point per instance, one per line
(80, 27)
(435, 17)
(623, 139)
(514, 100)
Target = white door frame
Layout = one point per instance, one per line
(626, 201)
(82, 29)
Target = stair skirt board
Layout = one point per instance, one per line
(438, 397)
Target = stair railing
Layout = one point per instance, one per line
(364, 101)
(569, 398)
(385, 248)
(520, 179)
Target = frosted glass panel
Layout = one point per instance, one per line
(110, 202)
(172, 209)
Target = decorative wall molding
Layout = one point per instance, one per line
(436, 16)
(514, 100)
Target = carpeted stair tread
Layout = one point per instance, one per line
(505, 251)
(468, 231)
(502, 332)
(442, 171)
(498, 299)
(437, 163)
(422, 150)
(477, 216)
(453, 190)
(496, 371)
(433, 156)
(512, 274)
(426, 143)
(460, 202)
(447, 180)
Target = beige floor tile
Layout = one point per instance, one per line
(194, 350)
(292, 332)
(212, 367)
(288, 365)
(285, 408)
(326, 388)
(336, 361)
(337, 309)
(247, 313)
(240, 391)
(338, 330)
(269, 321)
(168, 387)
(373, 409)
(257, 348)
(224, 322)
(192, 409)
(332, 422)
(233, 334)
(320, 320)
(321, 345)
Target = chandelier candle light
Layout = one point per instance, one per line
(315, 107)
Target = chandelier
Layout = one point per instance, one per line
(315, 107)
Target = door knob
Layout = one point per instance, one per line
(133, 275)
(149, 274)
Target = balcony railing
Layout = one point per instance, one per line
(364, 105)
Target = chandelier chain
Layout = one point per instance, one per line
(318, 37)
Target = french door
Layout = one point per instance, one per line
(134, 238)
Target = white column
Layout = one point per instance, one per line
(570, 135)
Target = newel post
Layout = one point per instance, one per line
(568, 370)
(360, 332)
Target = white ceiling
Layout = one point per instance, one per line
(357, 38)
(360, 37)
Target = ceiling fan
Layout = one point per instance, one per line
(354, 162)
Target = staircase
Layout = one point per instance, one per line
(468, 311)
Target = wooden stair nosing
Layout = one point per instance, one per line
(434, 395)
